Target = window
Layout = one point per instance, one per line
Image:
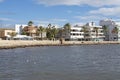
(8, 33)
(73, 34)
(93, 30)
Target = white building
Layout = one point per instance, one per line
(95, 32)
(88, 32)
(76, 33)
(97, 35)
(118, 34)
(18, 28)
(111, 34)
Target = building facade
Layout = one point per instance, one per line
(19, 28)
(88, 32)
(5, 34)
(95, 33)
(112, 29)
(30, 30)
(76, 33)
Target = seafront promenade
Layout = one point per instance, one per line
(8, 44)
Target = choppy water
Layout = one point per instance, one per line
(87, 62)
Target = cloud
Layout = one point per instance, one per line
(96, 3)
(59, 20)
(107, 11)
(78, 23)
(7, 13)
(69, 11)
(89, 18)
(41, 22)
(6, 19)
(55, 20)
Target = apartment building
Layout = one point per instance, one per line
(76, 33)
(19, 28)
(112, 29)
(94, 33)
(88, 32)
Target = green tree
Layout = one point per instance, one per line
(67, 27)
(30, 23)
(49, 25)
(66, 30)
(105, 29)
(54, 31)
(96, 31)
(60, 32)
(40, 31)
(51, 32)
(86, 31)
(48, 33)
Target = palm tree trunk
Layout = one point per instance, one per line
(41, 36)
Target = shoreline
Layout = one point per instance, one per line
(11, 44)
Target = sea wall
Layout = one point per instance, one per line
(8, 44)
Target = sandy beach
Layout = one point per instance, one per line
(8, 44)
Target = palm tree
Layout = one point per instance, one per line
(30, 23)
(105, 30)
(66, 30)
(48, 33)
(85, 30)
(96, 31)
(49, 25)
(67, 26)
(60, 32)
(54, 31)
(115, 31)
(40, 31)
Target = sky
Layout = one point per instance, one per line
(58, 12)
